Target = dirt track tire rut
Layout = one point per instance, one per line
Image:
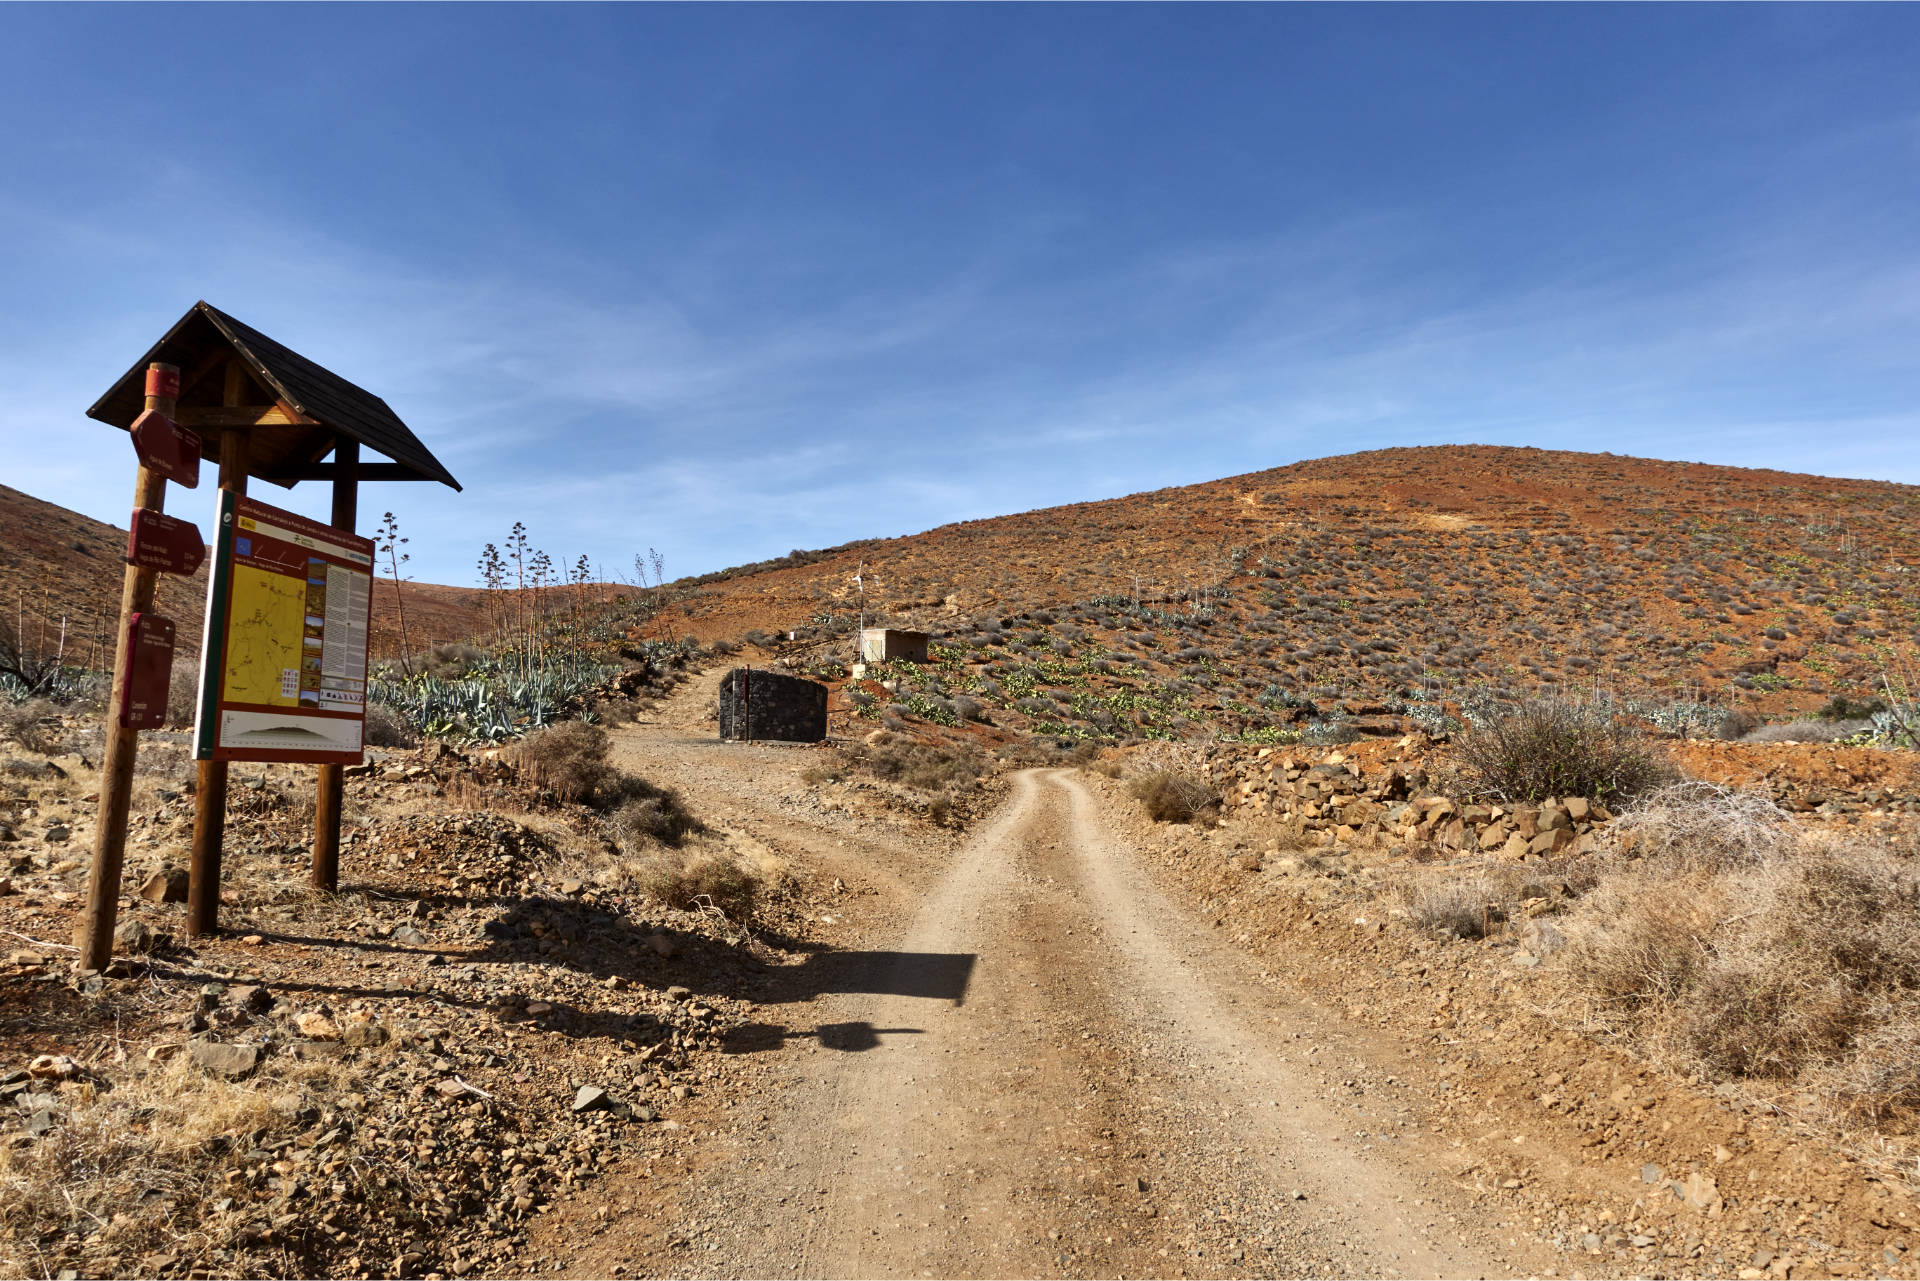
(1053, 1072)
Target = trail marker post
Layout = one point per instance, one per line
(275, 416)
(137, 620)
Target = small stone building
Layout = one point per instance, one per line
(758, 705)
(878, 644)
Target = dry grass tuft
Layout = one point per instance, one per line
(1454, 905)
(132, 1168)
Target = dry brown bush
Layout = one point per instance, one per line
(1738, 945)
(21, 723)
(651, 814)
(1450, 904)
(1172, 797)
(570, 759)
(703, 879)
(387, 728)
(183, 691)
(926, 767)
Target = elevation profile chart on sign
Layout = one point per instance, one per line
(284, 669)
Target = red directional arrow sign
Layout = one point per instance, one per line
(165, 543)
(167, 448)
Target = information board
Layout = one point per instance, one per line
(283, 671)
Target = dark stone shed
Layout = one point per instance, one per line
(758, 704)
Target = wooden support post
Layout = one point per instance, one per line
(210, 790)
(116, 766)
(328, 795)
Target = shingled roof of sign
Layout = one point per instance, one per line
(197, 345)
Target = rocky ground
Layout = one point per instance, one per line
(470, 1032)
(1037, 1035)
(1612, 1163)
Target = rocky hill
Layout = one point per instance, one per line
(57, 565)
(1369, 577)
(1348, 584)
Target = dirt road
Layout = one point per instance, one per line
(1051, 1070)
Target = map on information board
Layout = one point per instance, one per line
(283, 672)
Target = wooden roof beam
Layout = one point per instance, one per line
(275, 415)
(329, 471)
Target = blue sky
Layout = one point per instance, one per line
(728, 281)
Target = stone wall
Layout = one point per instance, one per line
(761, 705)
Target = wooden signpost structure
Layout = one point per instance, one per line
(270, 414)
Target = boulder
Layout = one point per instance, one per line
(363, 1034)
(222, 1058)
(168, 885)
(1550, 841)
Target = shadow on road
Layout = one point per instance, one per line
(935, 976)
(853, 1038)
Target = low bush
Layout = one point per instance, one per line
(570, 759)
(651, 814)
(21, 723)
(1454, 905)
(183, 691)
(449, 662)
(1746, 948)
(385, 728)
(1842, 708)
(927, 767)
(1808, 731)
(703, 880)
(1173, 797)
(1552, 747)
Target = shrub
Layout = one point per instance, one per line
(1451, 905)
(652, 813)
(1751, 949)
(1842, 708)
(1809, 731)
(703, 880)
(183, 691)
(385, 728)
(1705, 825)
(926, 766)
(1172, 797)
(449, 662)
(571, 759)
(1551, 747)
(21, 723)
